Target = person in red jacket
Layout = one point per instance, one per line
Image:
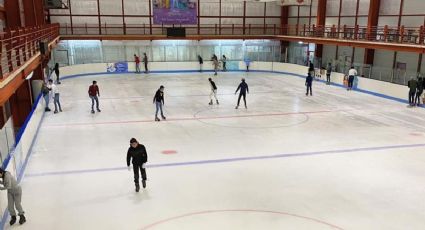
(94, 94)
(137, 61)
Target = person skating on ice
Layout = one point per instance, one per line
(308, 84)
(351, 75)
(419, 91)
(224, 60)
(94, 94)
(137, 61)
(214, 59)
(55, 95)
(213, 92)
(158, 100)
(138, 156)
(413, 85)
(14, 196)
(328, 73)
(201, 63)
(145, 61)
(243, 87)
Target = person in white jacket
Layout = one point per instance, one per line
(351, 74)
(55, 95)
(14, 196)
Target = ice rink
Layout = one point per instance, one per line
(337, 160)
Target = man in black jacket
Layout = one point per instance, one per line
(138, 156)
(244, 89)
(412, 84)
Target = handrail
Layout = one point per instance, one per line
(402, 34)
(19, 45)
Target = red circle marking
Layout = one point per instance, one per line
(238, 210)
(169, 152)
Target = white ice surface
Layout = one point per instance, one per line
(366, 173)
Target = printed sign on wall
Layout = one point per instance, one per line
(117, 67)
(169, 12)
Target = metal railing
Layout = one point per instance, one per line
(402, 34)
(19, 45)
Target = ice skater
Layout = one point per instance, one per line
(56, 70)
(328, 73)
(247, 63)
(413, 85)
(55, 94)
(158, 100)
(94, 94)
(145, 61)
(213, 92)
(351, 75)
(45, 90)
(311, 68)
(137, 61)
(201, 63)
(137, 155)
(243, 87)
(14, 196)
(215, 62)
(224, 60)
(419, 91)
(309, 84)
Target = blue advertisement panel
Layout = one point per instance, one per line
(117, 67)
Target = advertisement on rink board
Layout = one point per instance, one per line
(170, 12)
(117, 67)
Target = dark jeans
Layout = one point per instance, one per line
(328, 78)
(418, 97)
(136, 169)
(350, 81)
(224, 66)
(93, 99)
(309, 89)
(244, 98)
(412, 97)
(146, 67)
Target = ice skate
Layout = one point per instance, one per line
(22, 219)
(98, 110)
(237, 107)
(137, 187)
(157, 119)
(217, 102)
(144, 183)
(164, 118)
(12, 220)
(210, 103)
(92, 111)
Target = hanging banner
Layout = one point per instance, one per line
(117, 67)
(169, 12)
(294, 2)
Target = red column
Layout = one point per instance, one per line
(372, 23)
(13, 18)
